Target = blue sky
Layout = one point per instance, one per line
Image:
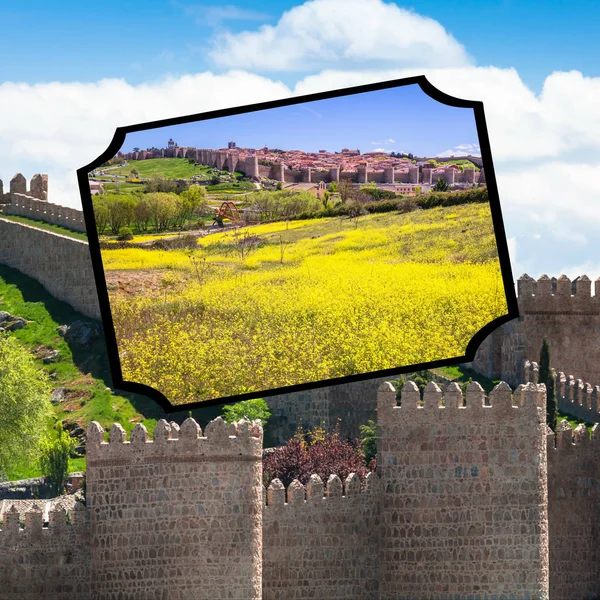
(72, 72)
(138, 41)
(402, 119)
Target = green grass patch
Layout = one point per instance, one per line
(83, 371)
(170, 168)
(47, 226)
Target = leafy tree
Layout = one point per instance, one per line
(101, 214)
(54, 461)
(135, 172)
(368, 440)
(250, 409)
(545, 377)
(333, 187)
(24, 405)
(441, 185)
(345, 189)
(120, 211)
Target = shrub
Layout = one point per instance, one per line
(249, 409)
(315, 452)
(125, 234)
(55, 460)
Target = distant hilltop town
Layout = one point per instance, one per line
(294, 166)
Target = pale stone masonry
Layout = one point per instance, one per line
(472, 500)
(61, 264)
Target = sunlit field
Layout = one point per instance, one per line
(289, 303)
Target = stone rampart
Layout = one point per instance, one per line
(574, 509)
(179, 516)
(574, 397)
(465, 508)
(38, 187)
(41, 210)
(61, 264)
(322, 541)
(39, 562)
(565, 313)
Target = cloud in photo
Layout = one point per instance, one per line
(341, 32)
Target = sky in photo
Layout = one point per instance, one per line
(402, 119)
(72, 72)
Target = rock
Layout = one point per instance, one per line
(18, 323)
(58, 395)
(5, 316)
(53, 375)
(82, 333)
(62, 330)
(50, 357)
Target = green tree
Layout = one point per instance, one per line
(24, 405)
(368, 440)
(441, 185)
(333, 187)
(250, 409)
(545, 377)
(54, 461)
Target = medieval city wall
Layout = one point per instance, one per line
(465, 506)
(573, 509)
(61, 264)
(349, 404)
(179, 516)
(42, 210)
(322, 540)
(45, 563)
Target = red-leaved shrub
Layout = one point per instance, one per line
(315, 452)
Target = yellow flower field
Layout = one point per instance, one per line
(316, 300)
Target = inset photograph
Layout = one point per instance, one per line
(312, 241)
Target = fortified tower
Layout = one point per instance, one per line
(465, 505)
(181, 515)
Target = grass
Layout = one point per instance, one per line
(124, 188)
(170, 168)
(231, 188)
(84, 371)
(47, 226)
(318, 299)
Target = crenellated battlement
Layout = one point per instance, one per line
(452, 402)
(558, 295)
(316, 492)
(38, 187)
(573, 396)
(15, 528)
(220, 441)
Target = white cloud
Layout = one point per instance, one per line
(350, 32)
(545, 147)
(56, 128)
(461, 150)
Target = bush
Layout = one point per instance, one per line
(125, 234)
(249, 409)
(55, 460)
(315, 452)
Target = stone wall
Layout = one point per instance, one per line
(50, 562)
(322, 546)
(26, 206)
(179, 516)
(350, 405)
(565, 313)
(472, 500)
(465, 510)
(61, 264)
(574, 509)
